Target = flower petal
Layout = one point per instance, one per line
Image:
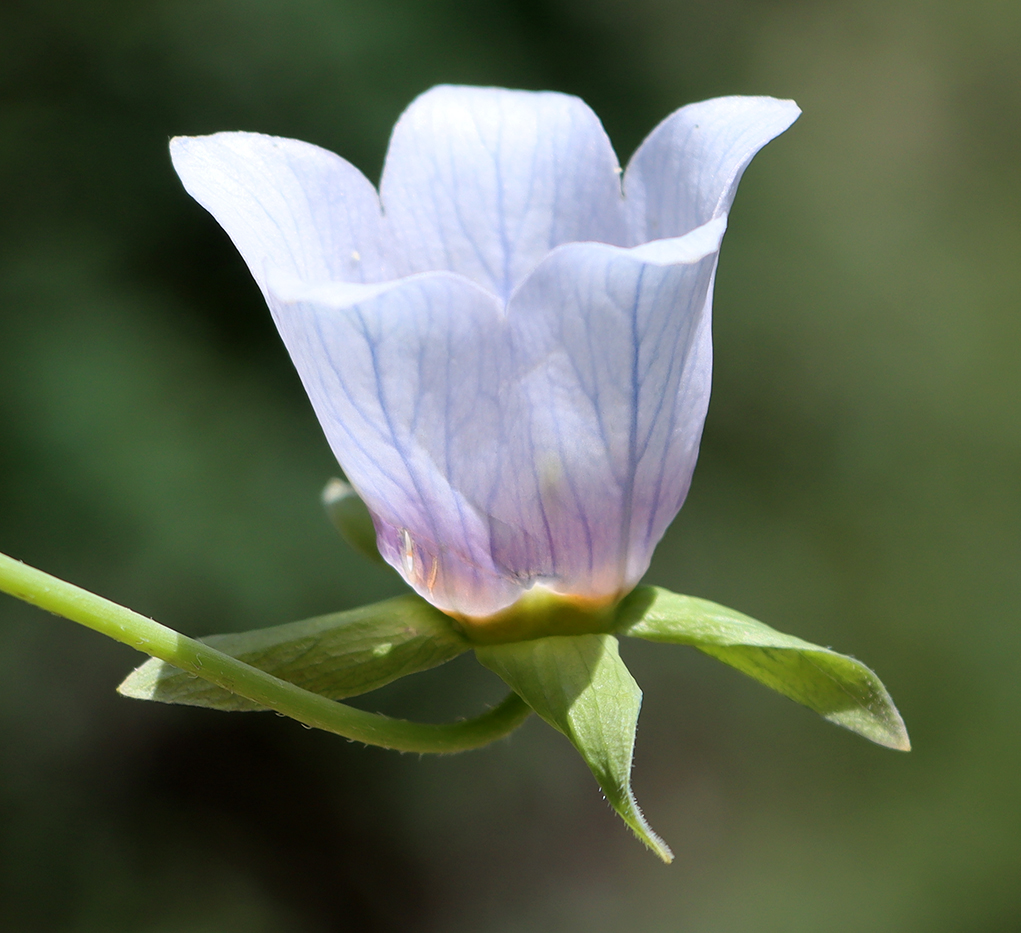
(686, 171)
(409, 381)
(614, 354)
(293, 205)
(485, 182)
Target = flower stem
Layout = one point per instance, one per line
(122, 624)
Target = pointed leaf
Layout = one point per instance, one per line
(581, 687)
(839, 688)
(339, 655)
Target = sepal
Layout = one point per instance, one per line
(580, 686)
(839, 688)
(339, 655)
(350, 516)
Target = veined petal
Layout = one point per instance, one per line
(686, 171)
(409, 380)
(286, 203)
(486, 181)
(525, 405)
(613, 351)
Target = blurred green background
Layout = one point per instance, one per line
(859, 485)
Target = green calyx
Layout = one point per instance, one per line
(540, 613)
(559, 656)
(350, 516)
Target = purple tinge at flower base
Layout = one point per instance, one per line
(508, 349)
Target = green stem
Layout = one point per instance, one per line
(57, 596)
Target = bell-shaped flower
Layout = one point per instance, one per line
(508, 346)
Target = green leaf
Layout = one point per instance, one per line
(350, 516)
(839, 688)
(581, 687)
(337, 656)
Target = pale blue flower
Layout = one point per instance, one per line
(509, 350)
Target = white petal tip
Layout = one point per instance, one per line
(684, 250)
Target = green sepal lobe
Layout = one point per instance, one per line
(350, 516)
(838, 687)
(580, 686)
(340, 655)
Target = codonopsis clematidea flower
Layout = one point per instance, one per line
(508, 347)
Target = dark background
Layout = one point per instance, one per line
(859, 485)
